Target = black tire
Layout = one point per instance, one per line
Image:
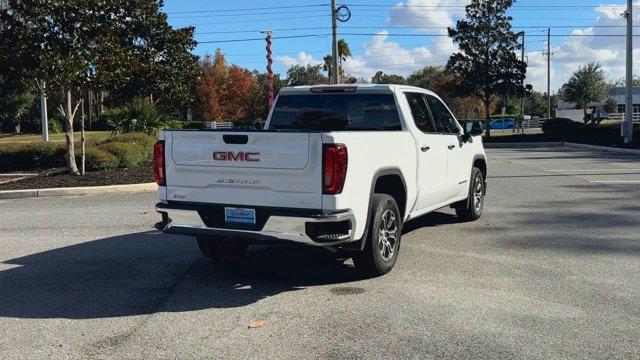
(221, 248)
(472, 209)
(380, 254)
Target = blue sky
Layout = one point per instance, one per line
(400, 37)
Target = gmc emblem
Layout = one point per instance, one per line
(238, 156)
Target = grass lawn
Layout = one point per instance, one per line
(36, 138)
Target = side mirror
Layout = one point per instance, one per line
(473, 128)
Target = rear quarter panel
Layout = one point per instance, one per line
(368, 153)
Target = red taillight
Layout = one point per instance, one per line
(334, 168)
(158, 163)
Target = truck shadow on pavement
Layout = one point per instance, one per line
(149, 272)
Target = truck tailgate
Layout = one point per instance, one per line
(245, 168)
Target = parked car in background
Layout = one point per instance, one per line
(499, 124)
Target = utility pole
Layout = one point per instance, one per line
(270, 95)
(628, 108)
(334, 52)
(548, 73)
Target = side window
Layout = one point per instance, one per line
(420, 112)
(445, 122)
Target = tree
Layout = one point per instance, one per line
(487, 63)
(426, 77)
(305, 75)
(610, 106)
(536, 104)
(587, 84)
(223, 90)
(343, 53)
(16, 99)
(467, 107)
(257, 104)
(108, 44)
(391, 79)
(209, 90)
(623, 81)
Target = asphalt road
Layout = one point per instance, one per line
(552, 270)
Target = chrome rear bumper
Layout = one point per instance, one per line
(186, 221)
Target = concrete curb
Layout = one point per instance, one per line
(88, 190)
(602, 148)
(565, 144)
(520, 144)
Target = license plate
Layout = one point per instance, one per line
(240, 216)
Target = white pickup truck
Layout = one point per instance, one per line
(336, 166)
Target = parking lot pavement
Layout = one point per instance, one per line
(550, 271)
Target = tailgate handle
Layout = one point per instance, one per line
(235, 139)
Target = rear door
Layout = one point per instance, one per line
(432, 154)
(458, 152)
(245, 168)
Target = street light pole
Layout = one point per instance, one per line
(44, 119)
(628, 112)
(334, 27)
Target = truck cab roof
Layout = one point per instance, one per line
(352, 88)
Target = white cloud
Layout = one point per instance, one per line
(390, 57)
(581, 48)
(426, 13)
(381, 53)
(301, 59)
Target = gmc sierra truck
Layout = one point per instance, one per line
(343, 167)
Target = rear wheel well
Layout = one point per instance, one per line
(393, 186)
(482, 165)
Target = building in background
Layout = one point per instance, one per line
(617, 93)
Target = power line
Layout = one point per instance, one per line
(402, 27)
(247, 9)
(262, 39)
(513, 7)
(243, 15)
(324, 51)
(257, 20)
(399, 35)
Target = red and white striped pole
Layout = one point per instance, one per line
(270, 95)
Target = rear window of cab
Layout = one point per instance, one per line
(336, 112)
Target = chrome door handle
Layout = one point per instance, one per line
(425, 148)
(451, 147)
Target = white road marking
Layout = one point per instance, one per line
(566, 162)
(615, 181)
(589, 170)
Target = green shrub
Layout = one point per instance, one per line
(15, 157)
(97, 159)
(55, 126)
(128, 154)
(146, 141)
(140, 116)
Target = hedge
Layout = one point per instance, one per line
(97, 159)
(146, 141)
(15, 157)
(567, 130)
(128, 150)
(128, 154)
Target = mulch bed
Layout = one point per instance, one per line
(57, 178)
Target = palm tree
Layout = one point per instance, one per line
(343, 53)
